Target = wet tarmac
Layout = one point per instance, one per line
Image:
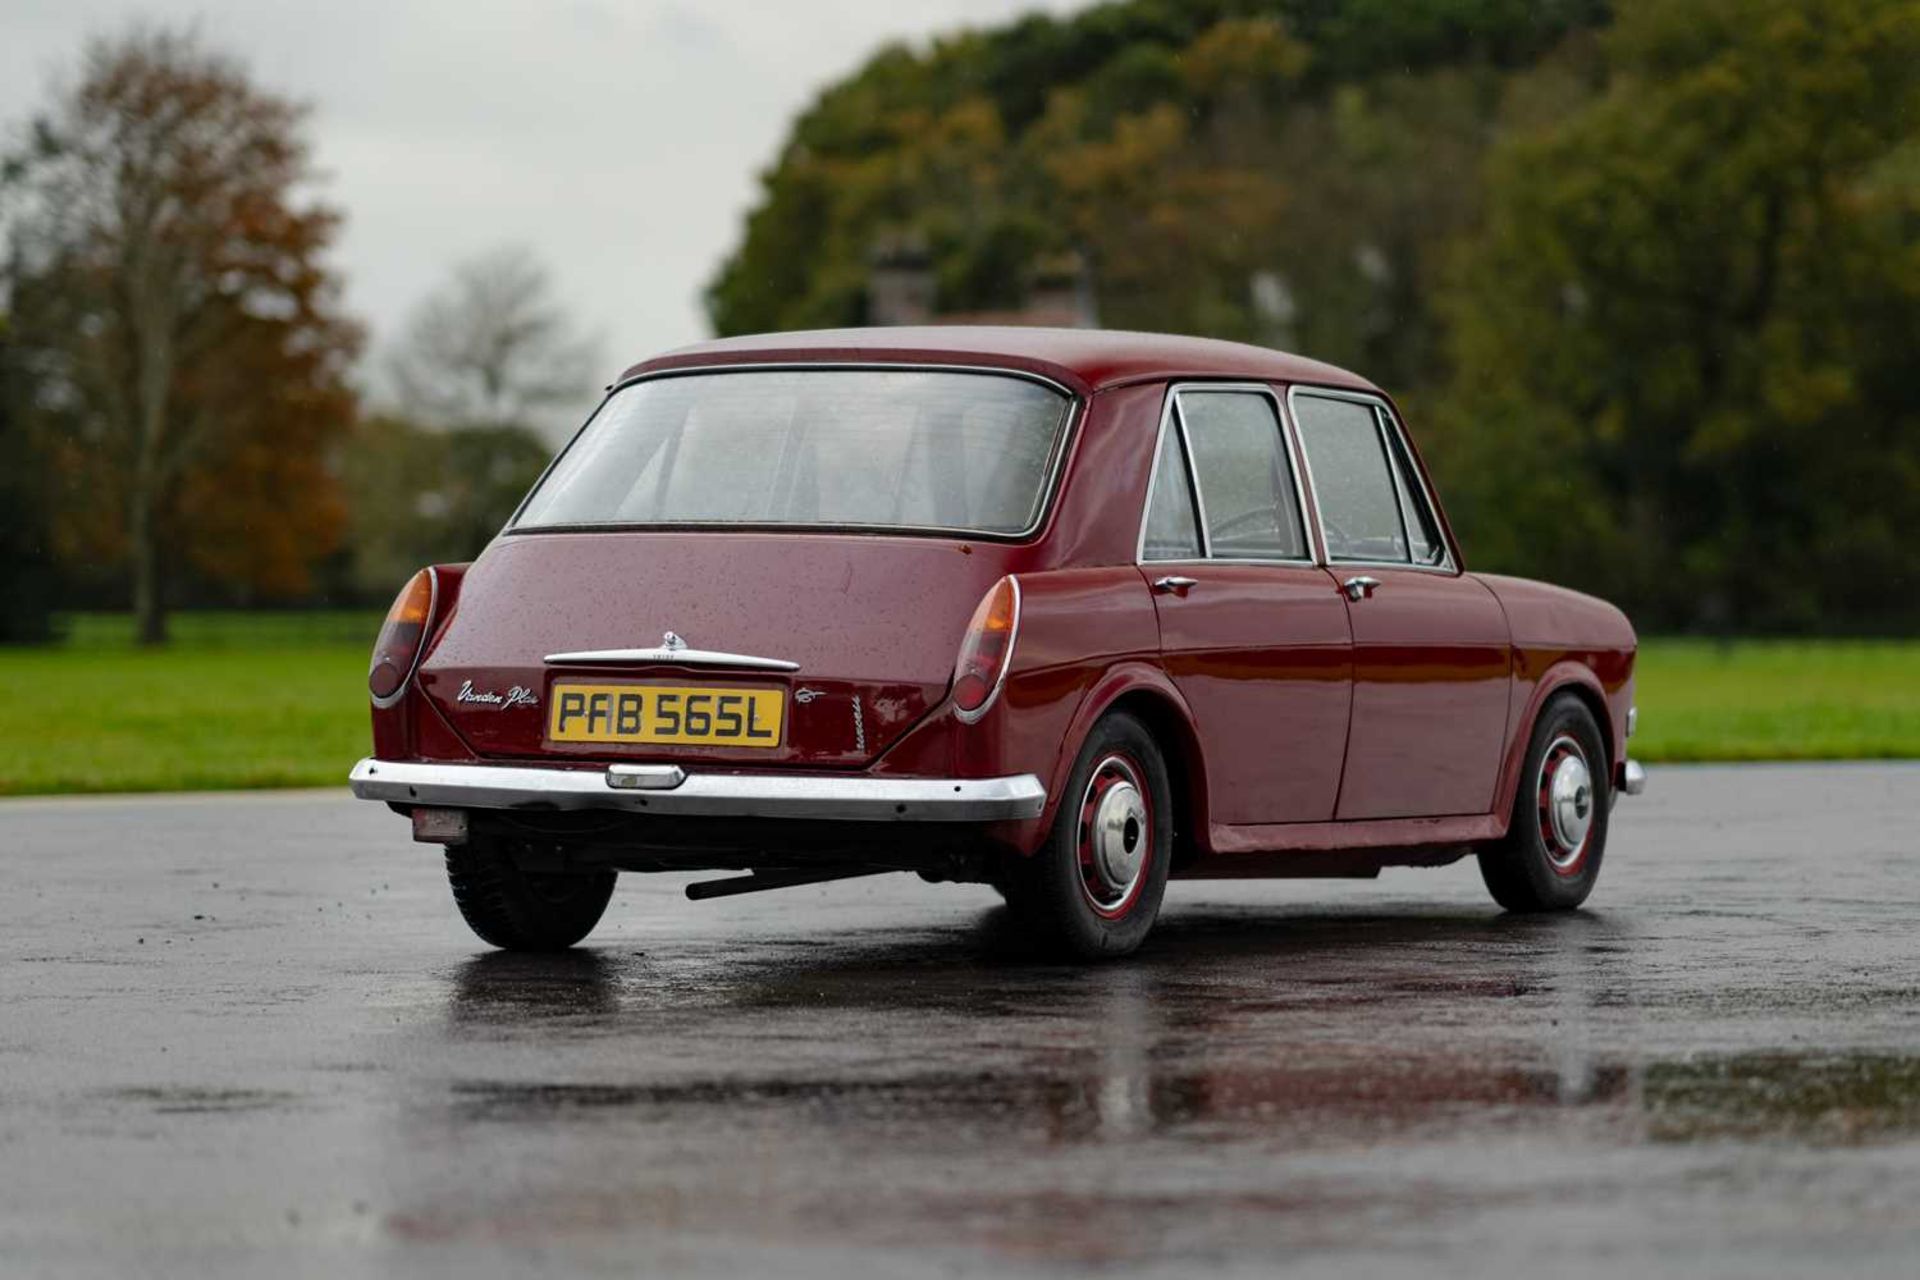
(248, 1035)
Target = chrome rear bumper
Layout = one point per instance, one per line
(671, 791)
(1633, 778)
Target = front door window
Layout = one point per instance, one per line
(1352, 480)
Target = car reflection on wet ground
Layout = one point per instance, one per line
(242, 1032)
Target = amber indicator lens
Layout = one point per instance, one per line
(400, 636)
(983, 655)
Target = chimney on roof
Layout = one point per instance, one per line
(900, 288)
(1058, 290)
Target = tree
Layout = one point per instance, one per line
(169, 284)
(483, 360)
(1683, 340)
(1647, 282)
(423, 496)
(492, 348)
(26, 570)
(1185, 150)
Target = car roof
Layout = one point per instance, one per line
(1085, 360)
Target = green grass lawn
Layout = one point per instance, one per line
(1778, 700)
(237, 700)
(279, 700)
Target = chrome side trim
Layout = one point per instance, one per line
(1633, 778)
(1192, 472)
(1383, 415)
(674, 657)
(703, 794)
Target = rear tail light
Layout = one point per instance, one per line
(401, 637)
(985, 652)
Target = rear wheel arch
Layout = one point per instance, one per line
(1094, 887)
(1147, 695)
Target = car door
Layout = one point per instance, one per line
(1252, 631)
(1431, 647)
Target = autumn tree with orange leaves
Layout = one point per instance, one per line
(170, 305)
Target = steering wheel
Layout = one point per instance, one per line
(1245, 520)
(1338, 540)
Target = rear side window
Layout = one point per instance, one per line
(1173, 531)
(1353, 480)
(871, 448)
(1240, 465)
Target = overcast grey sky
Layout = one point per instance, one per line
(619, 138)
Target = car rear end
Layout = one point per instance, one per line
(743, 622)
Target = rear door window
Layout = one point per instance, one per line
(1248, 500)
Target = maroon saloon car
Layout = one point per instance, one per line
(1063, 612)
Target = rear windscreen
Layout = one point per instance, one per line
(907, 449)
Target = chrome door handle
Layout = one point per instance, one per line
(1175, 585)
(1361, 588)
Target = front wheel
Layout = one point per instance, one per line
(1094, 889)
(1558, 832)
(523, 910)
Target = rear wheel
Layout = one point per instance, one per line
(523, 910)
(1094, 889)
(1551, 854)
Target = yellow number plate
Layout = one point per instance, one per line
(666, 714)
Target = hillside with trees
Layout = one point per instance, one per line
(1630, 267)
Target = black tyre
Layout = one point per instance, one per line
(523, 910)
(1094, 889)
(1558, 833)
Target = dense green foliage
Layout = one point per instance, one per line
(1647, 281)
(1181, 149)
(1693, 314)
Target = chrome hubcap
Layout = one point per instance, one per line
(1116, 836)
(1566, 802)
(1119, 835)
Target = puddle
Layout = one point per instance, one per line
(188, 1100)
(1813, 1098)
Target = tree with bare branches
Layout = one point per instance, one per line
(491, 348)
(169, 294)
